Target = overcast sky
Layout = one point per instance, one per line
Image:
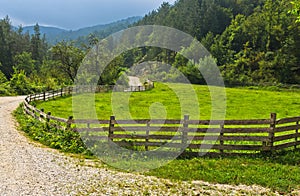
(74, 14)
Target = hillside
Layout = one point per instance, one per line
(255, 42)
(55, 35)
(49, 31)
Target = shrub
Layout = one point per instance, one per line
(65, 140)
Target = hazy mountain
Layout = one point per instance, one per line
(45, 30)
(54, 34)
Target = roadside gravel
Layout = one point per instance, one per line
(26, 168)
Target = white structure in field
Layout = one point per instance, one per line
(135, 84)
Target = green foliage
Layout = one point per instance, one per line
(3, 78)
(69, 58)
(15, 47)
(4, 85)
(6, 56)
(64, 140)
(199, 17)
(20, 84)
(296, 9)
(20, 58)
(254, 42)
(39, 47)
(259, 48)
(24, 62)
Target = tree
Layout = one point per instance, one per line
(36, 43)
(20, 84)
(24, 62)
(6, 56)
(38, 46)
(69, 58)
(230, 42)
(3, 79)
(4, 84)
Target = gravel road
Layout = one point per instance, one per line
(27, 168)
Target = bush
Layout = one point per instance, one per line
(65, 140)
(19, 83)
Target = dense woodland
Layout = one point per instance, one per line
(254, 42)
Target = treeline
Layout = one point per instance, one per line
(28, 64)
(254, 42)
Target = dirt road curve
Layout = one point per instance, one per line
(27, 169)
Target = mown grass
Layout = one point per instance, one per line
(279, 171)
(163, 102)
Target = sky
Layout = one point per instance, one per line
(74, 14)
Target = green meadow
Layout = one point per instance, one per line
(164, 102)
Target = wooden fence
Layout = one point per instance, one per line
(229, 136)
(47, 95)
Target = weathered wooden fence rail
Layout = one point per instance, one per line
(228, 136)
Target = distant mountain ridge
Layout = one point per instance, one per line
(54, 34)
(44, 30)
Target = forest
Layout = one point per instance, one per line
(254, 42)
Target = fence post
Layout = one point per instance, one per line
(44, 96)
(48, 116)
(184, 130)
(111, 125)
(61, 92)
(147, 136)
(221, 138)
(41, 116)
(69, 122)
(272, 130)
(296, 138)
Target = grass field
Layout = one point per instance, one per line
(162, 102)
(279, 171)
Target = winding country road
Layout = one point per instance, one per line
(27, 168)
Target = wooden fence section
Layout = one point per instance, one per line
(49, 94)
(86, 89)
(110, 88)
(216, 136)
(286, 133)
